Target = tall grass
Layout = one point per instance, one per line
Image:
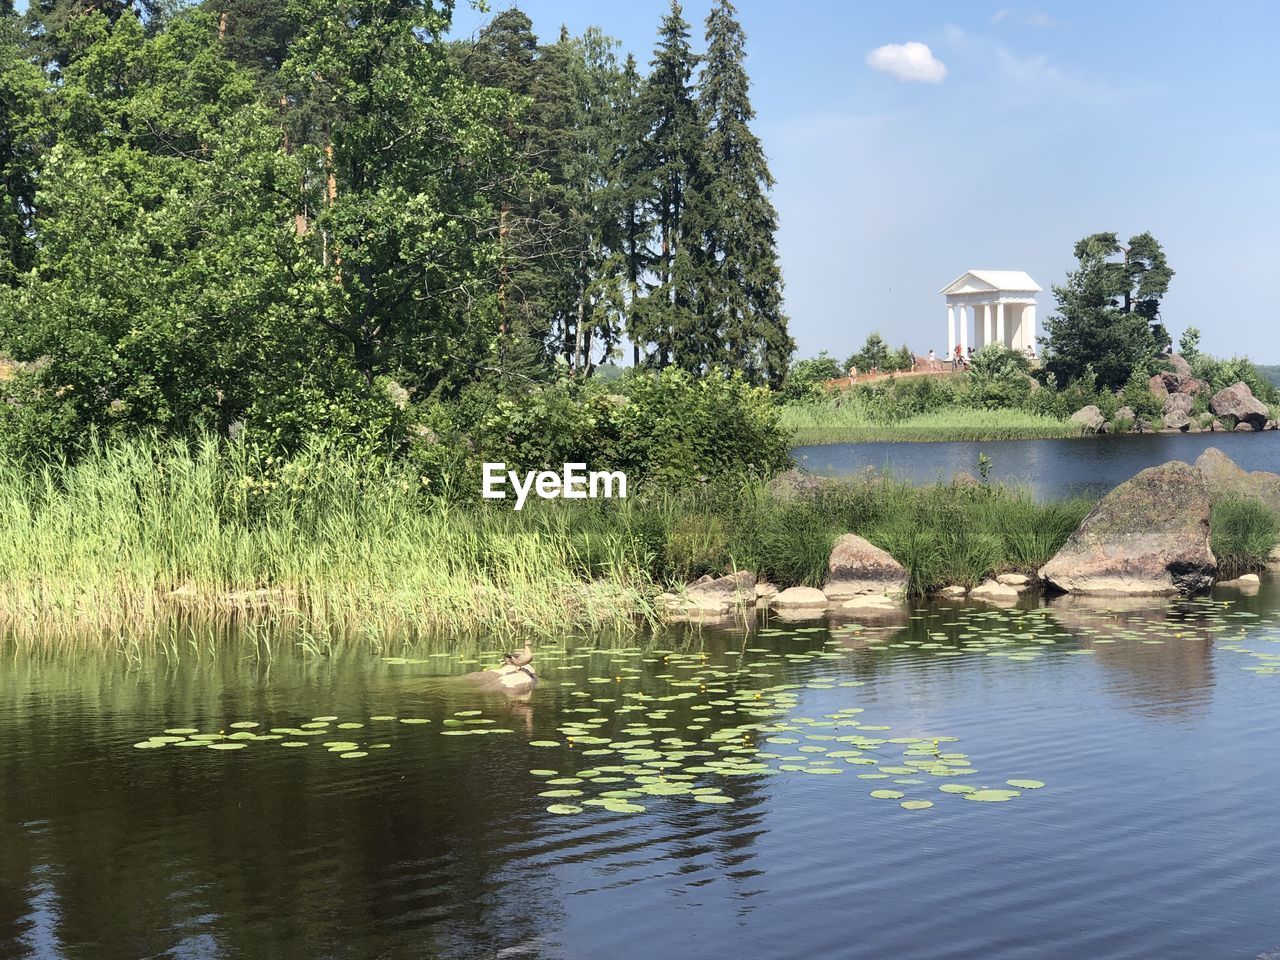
(138, 536)
(1244, 532)
(822, 423)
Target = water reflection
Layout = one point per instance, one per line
(444, 846)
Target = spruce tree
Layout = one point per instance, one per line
(744, 296)
(674, 153)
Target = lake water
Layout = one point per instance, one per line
(1052, 468)
(737, 768)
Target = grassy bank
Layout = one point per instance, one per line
(138, 537)
(821, 423)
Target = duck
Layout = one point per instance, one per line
(519, 658)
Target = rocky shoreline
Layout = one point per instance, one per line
(1232, 409)
(1149, 537)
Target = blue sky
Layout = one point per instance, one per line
(1053, 121)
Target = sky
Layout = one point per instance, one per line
(914, 141)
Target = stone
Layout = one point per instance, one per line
(857, 567)
(1177, 421)
(1236, 404)
(678, 607)
(1226, 479)
(736, 588)
(1126, 414)
(1216, 426)
(1144, 426)
(953, 592)
(1014, 580)
(1156, 386)
(1273, 562)
(1179, 364)
(1178, 403)
(513, 681)
(1148, 536)
(765, 590)
(796, 484)
(1270, 425)
(963, 478)
(991, 591)
(799, 597)
(1244, 427)
(1090, 418)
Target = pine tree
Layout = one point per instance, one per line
(633, 182)
(744, 299)
(674, 154)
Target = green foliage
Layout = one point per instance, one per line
(997, 378)
(1106, 311)
(805, 378)
(1244, 532)
(1219, 374)
(662, 429)
(874, 355)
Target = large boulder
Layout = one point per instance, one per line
(1150, 535)
(1090, 419)
(1156, 385)
(1225, 479)
(857, 567)
(1180, 365)
(1177, 411)
(1236, 404)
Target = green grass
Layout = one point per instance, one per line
(138, 537)
(826, 423)
(1244, 532)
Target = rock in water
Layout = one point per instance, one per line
(1237, 404)
(857, 567)
(800, 597)
(1150, 535)
(1226, 479)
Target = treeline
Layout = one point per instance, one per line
(300, 217)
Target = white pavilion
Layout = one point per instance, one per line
(991, 306)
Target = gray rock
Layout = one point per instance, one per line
(953, 592)
(799, 597)
(1156, 386)
(1225, 479)
(1150, 535)
(1236, 404)
(736, 588)
(1014, 580)
(990, 591)
(1090, 418)
(857, 567)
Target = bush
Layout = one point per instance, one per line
(805, 378)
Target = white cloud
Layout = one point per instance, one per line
(909, 62)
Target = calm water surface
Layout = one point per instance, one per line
(1052, 468)
(1156, 835)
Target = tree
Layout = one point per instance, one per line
(23, 130)
(743, 301)
(1108, 310)
(874, 355)
(399, 264)
(674, 137)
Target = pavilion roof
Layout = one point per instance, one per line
(983, 281)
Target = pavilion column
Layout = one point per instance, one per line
(964, 328)
(986, 324)
(1000, 324)
(1028, 326)
(951, 330)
